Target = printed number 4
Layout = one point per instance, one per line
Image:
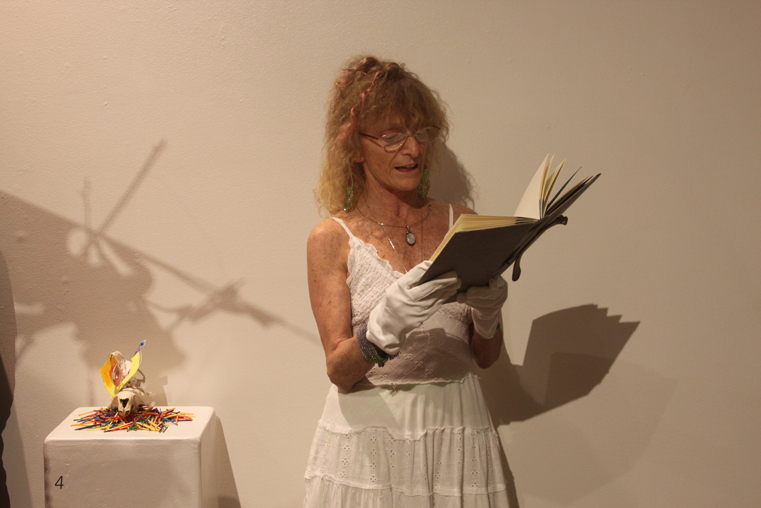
(59, 483)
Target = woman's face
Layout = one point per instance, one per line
(395, 171)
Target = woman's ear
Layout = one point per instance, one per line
(358, 158)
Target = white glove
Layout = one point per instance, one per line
(487, 304)
(406, 306)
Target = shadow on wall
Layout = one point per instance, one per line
(7, 367)
(65, 273)
(569, 353)
(452, 183)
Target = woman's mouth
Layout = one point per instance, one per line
(410, 167)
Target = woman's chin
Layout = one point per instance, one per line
(409, 177)
(409, 184)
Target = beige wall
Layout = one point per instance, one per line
(649, 297)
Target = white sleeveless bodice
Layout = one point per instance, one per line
(438, 351)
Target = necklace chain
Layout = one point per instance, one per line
(410, 236)
(408, 226)
(397, 253)
(409, 233)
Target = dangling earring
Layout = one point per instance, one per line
(349, 196)
(425, 184)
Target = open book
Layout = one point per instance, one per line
(478, 247)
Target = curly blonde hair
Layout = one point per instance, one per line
(369, 90)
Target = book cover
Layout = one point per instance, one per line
(479, 247)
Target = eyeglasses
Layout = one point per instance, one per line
(393, 141)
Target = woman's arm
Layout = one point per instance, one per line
(327, 251)
(486, 351)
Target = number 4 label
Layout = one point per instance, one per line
(59, 482)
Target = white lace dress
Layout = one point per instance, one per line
(414, 433)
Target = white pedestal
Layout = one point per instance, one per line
(140, 468)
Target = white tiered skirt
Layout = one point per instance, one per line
(426, 445)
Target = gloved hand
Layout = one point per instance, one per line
(406, 306)
(487, 304)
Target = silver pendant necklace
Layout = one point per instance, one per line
(410, 236)
(397, 253)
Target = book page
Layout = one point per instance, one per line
(529, 203)
(549, 183)
(560, 192)
(471, 222)
(561, 204)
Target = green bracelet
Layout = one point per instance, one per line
(370, 351)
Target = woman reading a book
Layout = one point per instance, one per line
(405, 423)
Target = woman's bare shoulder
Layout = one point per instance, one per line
(327, 235)
(462, 209)
(459, 209)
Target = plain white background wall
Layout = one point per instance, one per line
(205, 256)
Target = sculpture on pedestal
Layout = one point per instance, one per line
(119, 377)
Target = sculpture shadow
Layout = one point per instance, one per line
(69, 273)
(103, 298)
(73, 276)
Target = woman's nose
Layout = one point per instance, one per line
(411, 146)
